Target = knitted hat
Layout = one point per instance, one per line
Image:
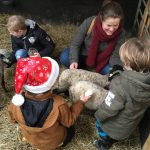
(36, 75)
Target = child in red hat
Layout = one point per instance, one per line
(44, 118)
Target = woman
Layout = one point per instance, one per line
(99, 48)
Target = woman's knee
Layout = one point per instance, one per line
(105, 70)
(64, 57)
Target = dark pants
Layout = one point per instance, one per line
(70, 135)
(144, 127)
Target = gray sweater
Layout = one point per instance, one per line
(124, 106)
(82, 40)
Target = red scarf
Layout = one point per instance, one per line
(100, 36)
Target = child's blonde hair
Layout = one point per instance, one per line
(136, 54)
(16, 23)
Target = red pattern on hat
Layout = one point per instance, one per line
(33, 71)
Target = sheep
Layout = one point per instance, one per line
(78, 81)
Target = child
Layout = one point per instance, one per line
(44, 118)
(128, 97)
(98, 48)
(26, 34)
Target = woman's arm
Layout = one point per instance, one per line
(78, 40)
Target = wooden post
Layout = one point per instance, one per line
(145, 22)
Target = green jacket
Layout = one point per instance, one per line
(125, 104)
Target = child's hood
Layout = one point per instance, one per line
(137, 85)
(30, 23)
(49, 123)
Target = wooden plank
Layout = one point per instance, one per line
(145, 21)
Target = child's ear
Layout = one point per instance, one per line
(127, 66)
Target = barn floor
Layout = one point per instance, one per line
(85, 125)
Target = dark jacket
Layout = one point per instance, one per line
(54, 130)
(125, 104)
(35, 38)
(82, 40)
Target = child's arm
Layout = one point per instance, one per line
(68, 115)
(46, 42)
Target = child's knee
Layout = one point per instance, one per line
(64, 58)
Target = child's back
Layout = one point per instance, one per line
(45, 119)
(129, 94)
(125, 104)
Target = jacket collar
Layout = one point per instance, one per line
(40, 97)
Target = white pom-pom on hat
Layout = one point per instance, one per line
(18, 99)
(36, 75)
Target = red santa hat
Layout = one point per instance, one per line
(36, 75)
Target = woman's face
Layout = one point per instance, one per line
(110, 25)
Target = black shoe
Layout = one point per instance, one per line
(70, 135)
(100, 145)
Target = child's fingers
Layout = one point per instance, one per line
(84, 98)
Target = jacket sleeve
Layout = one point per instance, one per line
(78, 39)
(46, 42)
(112, 104)
(115, 58)
(68, 115)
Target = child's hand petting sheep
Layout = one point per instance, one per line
(86, 96)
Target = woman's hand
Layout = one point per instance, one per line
(74, 65)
